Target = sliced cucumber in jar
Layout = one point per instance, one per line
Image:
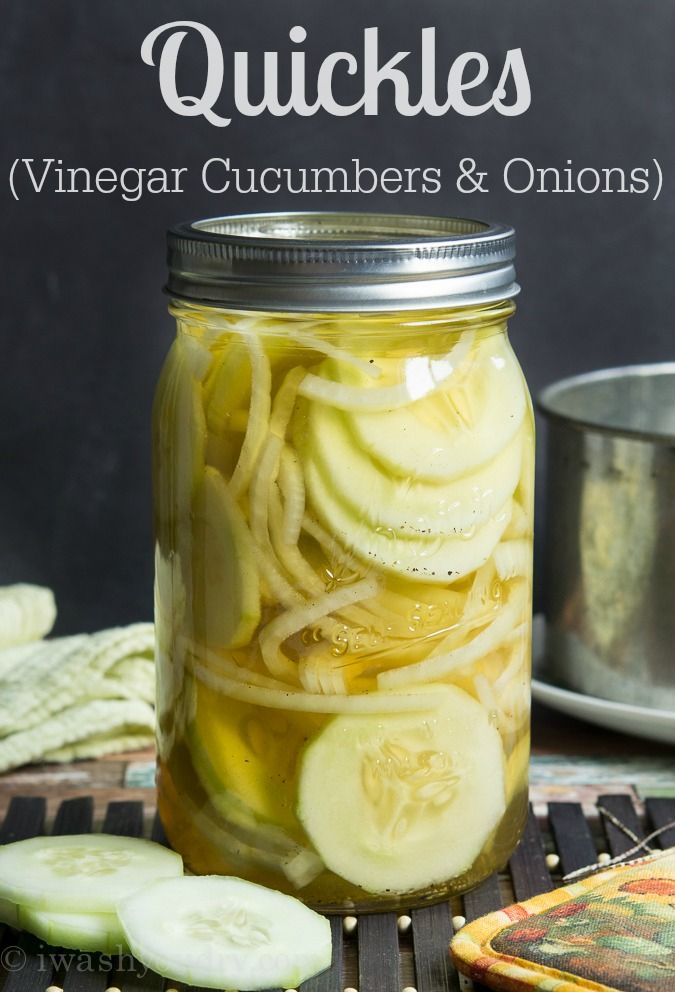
(245, 755)
(412, 508)
(81, 872)
(399, 803)
(220, 932)
(437, 559)
(455, 430)
(226, 605)
(227, 388)
(180, 434)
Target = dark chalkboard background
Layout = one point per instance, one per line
(83, 319)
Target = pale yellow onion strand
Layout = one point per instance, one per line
(332, 351)
(304, 702)
(485, 693)
(480, 589)
(513, 558)
(299, 864)
(519, 524)
(275, 633)
(266, 473)
(292, 486)
(508, 681)
(330, 545)
(302, 573)
(206, 658)
(509, 721)
(284, 401)
(316, 676)
(358, 398)
(259, 494)
(289, 555)
(474, 614)
(438, 666)
(522, 630)
(197, 355)
(216, 324)
(259, 415)
(309, 676)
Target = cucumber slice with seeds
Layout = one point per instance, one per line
(98, 932)
(421, 442)
(437, 560)
(410, 507)
(82, 872)
(224, 933)
(397, 803)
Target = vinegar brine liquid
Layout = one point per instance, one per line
(343, 516)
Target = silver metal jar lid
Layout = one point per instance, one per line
(315, 262)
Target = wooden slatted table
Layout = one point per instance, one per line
(380, 955)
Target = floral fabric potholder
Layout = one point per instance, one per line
(611, 932)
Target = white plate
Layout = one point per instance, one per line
(657, 725)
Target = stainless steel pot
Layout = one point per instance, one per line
(609, 560)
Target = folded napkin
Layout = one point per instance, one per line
(70, 697)
(26, 613)
(612, 932)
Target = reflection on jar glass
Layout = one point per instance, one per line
(343, 507)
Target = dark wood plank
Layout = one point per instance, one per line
(79, 971)
(431, 933)
(485, 898)
(572, 836)
(659, 813)
(171, 986)
(140, 980)
(622, 808)
(91, 975)
(92, 972)
(25, 818)
(74, 816)
(528, 869)
(25, 958)
(124, 818)
(30, 964)
(378, 953)
(331, 979)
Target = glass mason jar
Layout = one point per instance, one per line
(343, 449)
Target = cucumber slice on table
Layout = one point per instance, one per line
(397, 803)
(81, 872)
(220, 932)
(82, 931)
